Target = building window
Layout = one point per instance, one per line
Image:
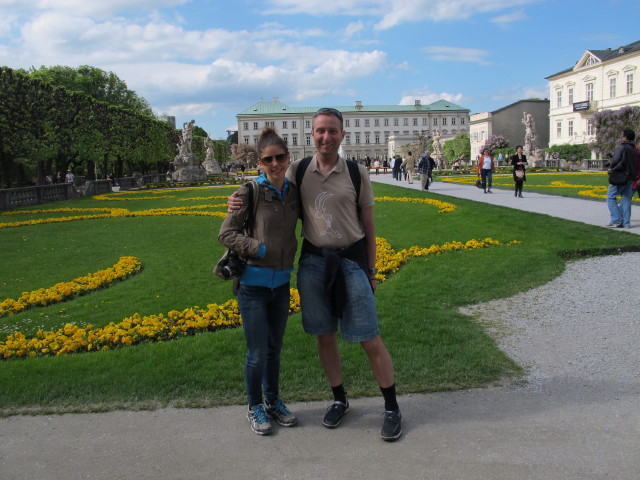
(255, 125)
(347, 139)
(245, 125)
(396, 122)
(425, 122)
(307, 124)
(589, 127)
(405, 122)
(629, 83)
(246, 140)
(386, 122)
(295, 140)
(270, 124)
(462, 121)
(444, 121)
(589, 87)
(366, 138)
(435, 121)
(285, 139)
(284, 124)
(415, 122)
(612, 87)
(308, 140)
(294, 124)
(376, 122)
(558, 129)
(377, 138)
(357, 122)
(570, 128)
(347, 123)
(357, 138)
(366, 122)
(453, 121)
(570, 91)
(559, 98)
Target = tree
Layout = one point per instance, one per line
(571, 152)
(495, 141)
(244, 153)
(101, 85)
(460, 145)
(609, 125)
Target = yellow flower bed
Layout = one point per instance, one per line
(153, 328)
(125, 267)
(444, 207)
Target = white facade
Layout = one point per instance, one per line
(374, 131)
(600, 80)
(480, 128)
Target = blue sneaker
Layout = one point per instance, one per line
(259, 421)
(281, 413)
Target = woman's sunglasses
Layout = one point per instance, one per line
(280, 158)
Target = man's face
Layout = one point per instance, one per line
(327, 134)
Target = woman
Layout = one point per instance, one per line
(263, 291)
(518, 162)
(486, 167)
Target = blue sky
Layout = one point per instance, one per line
(210, 59)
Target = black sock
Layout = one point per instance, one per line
(339, 395)
(390, 401)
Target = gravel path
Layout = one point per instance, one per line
(574, 329)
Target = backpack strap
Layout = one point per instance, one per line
(253, 201)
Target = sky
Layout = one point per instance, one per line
(209, 60)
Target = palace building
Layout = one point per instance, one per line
(600, 80)
(375, 131)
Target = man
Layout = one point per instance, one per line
(397, 169)
(425, 169)
(409, 163)
(337, 274)
(624, 158)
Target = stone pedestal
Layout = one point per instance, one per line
(188, 169)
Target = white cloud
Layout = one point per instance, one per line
(427, 97)
(396, 12)
(508, 19)
(352, 29)
(521, 92)
(456, 54)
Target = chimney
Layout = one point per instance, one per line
(417, 103)
(275, 99)
(358, 105)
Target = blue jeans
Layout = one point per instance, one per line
(264, 318)
(487, 178)
(620, 213)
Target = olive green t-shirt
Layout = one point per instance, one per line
(329, 204)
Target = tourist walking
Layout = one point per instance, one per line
(425, 169)
(269, 247)
(518, 162)
(623, 161)
(486, 167)
(409, 164)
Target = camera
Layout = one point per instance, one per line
(233, 267)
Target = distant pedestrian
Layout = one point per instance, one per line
(409, 164)
(518, 162)
(624, 160)
(425, 169)
(486, 167)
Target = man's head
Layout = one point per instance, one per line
(327, 130)
(628, 134)
(427, 153)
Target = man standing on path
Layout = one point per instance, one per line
(336, 272)
(409, 164)
(425, 169)
(624, 158)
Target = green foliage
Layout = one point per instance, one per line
(571, 152)
(98, 84)
(460, 145)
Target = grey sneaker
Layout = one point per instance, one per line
(259, 421)
(335, 414)
(281, 413)
(613, 225)
(391, 425)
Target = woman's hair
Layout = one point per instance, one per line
(270, 137)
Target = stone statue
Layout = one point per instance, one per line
(438, 156)
(531, 150)
(187, 165)
(210, 164)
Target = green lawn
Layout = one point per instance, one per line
(433, 346)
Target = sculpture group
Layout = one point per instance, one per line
(187, 164)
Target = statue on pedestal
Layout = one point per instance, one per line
(438, 156)
(187, 165)
(531, 150)
(210, 164)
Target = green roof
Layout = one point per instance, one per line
(279, 108)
